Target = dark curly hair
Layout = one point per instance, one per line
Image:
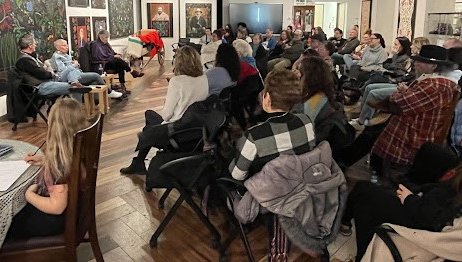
(317, 77)
(228, 58)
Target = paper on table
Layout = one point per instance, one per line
(10, 171)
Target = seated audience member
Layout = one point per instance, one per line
(243, 34)
(337, 39)
(325, 51)
(290, 29)
(47, 198)
(68, 69)
(209, 51)
(226, 70)
(430, 207)
(371, 60)
(207, 37)
(102, 51)
(419, 111)
(307, 53)
(260, 54)
(228, 37)
(417, 44)
(400, 55)
(189, 85)
(291, 53)
(282, 132)
(270, 40)
(244, 50)
(359, 50)
(35, 74)
(347, 48)
(318, 31)
(284, 39)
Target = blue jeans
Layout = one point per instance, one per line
(75, 75)
(53, 88)
(338, 59)
(349, 61)
(374, 93)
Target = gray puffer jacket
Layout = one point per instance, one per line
(308, 192)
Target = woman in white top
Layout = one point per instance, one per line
(189, 85)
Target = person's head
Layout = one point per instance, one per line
(198, 12)
(455, 55)
(417, 44)
(281, 92)
(228, 26)
(353, 33)
(81, 33)
(452, 42)
(257, 39)
(269, 32)
(326, 49)
(103, 36)
(188, 62)
(229, 33)
(290, 28)
(27, 43)
(65, 119)
(338, 33)
(242, 33)
(243, 48)
(208, 31)
(298, 34)
(375, 40)
(316, 77)
(402, 45)
(241, 25)
(318, 30)
(228, 58)
(365, 39)
(217, 35)
(61, 46)
(160, 10)
(355, 27)
(431, 59)
(285, 35)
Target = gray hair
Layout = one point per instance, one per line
(58, 42)
(103, 32)
(242, 47)
(25, 41)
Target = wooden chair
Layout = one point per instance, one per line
(80, 212)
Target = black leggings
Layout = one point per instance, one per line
(31, 222)
(153, 134)
(120, 66)
(370, 206)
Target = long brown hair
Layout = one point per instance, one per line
(317, 77)
(65, 119)
(188, 62)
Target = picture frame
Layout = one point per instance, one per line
(99, 23)
(303, 17)
(80, 32)
(198, 16)
(160, 17)
(78, 3)
(98, 4)
(121, 20)
(366, 9)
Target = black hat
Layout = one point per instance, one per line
(433, 54)
(455, 55)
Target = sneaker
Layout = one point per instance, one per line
(114, 94)
(345, 230)
(136, 74)
(356, 124)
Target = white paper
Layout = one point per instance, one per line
(10, 171)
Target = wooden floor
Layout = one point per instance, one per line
(126, 215)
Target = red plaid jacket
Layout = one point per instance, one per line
(423, 107)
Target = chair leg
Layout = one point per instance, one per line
(165, 221)
(71, 254)
(93, 235)
(164, 197)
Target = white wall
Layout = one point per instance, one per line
(430, 6)
(384, 19)
(330, 18)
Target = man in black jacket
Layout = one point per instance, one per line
(35, 74)
(347, 48)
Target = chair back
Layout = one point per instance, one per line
(82, 182)
(448, 115)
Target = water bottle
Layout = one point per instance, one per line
(100, 69)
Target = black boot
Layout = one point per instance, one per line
(136, 167)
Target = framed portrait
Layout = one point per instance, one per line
(160, 17)
(121, 22)
(78, 3)
(198, 17)
(80, 31)
(98, 4)
(366, 9)
(99, 23)
(303, 18)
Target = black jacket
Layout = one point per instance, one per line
(32, 69)
(15, 100)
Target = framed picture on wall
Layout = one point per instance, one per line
(80, 31)
(78, 3)
(99, 23)
(198, 17)
(160, 17)
(303, 18)
(366, 8)
(98, 4)
(121, 21)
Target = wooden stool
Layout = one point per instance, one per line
(108, 79)
(89, 100)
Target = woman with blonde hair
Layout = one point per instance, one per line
(47, 199)
(189, 85)
(417, 44)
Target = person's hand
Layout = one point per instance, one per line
(402, 87)
(297, 72)
(76, 64)
(35, 160)
(31, 190)
(355, 57)
(402, 192)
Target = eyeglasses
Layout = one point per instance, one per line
(373, 38)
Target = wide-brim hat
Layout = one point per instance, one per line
(455, 55)
(433, 54)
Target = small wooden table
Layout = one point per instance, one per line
(89, 100)
(108, 79)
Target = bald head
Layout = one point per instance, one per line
(59, 42)
(61, 46)
(452, 43)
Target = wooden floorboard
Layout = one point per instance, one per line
(126, 215)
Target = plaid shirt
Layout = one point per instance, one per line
(281, 133)
(423, 111)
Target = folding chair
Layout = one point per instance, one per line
(181, 42)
